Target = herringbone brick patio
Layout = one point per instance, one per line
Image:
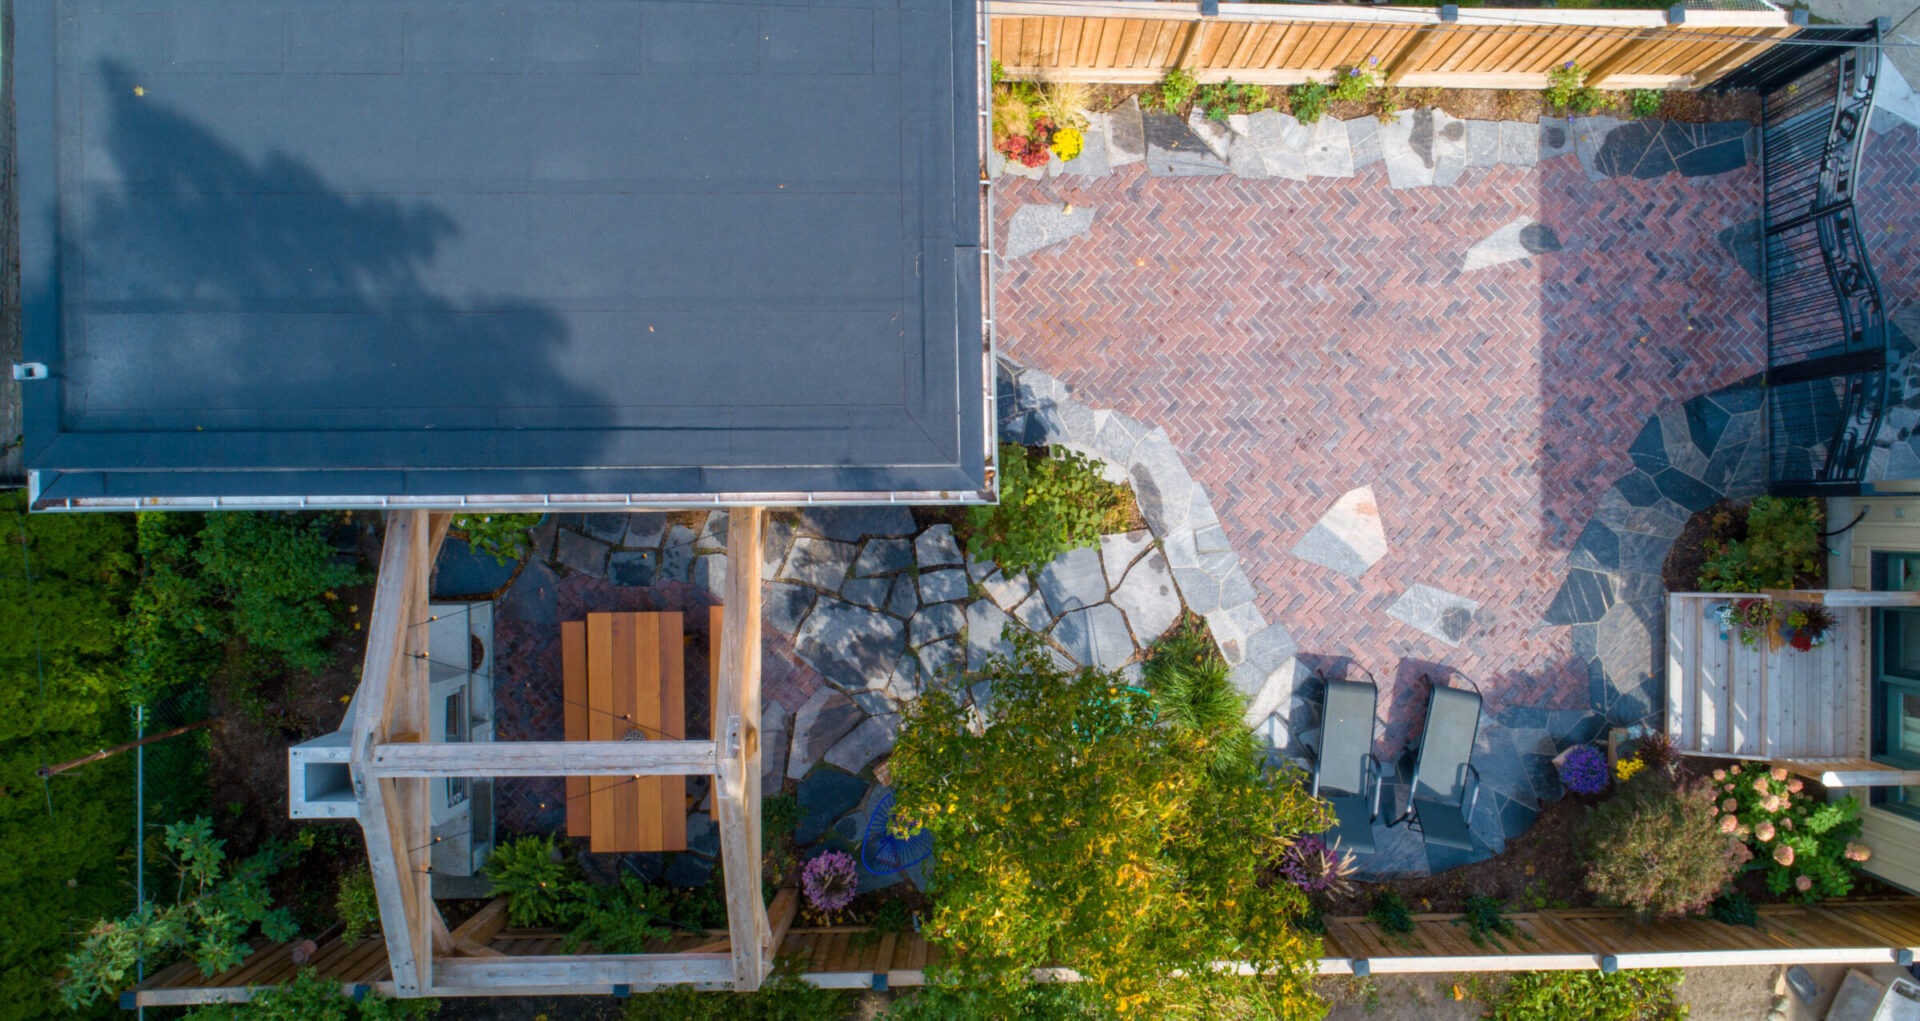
(1300, 339)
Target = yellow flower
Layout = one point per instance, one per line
(1625, 769)
(1067, 143)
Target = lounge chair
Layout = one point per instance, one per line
(1345, 772)
(1445, 784)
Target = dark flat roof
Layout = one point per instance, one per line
(567, 247)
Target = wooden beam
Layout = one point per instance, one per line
(582, 973)
(545, 758)
(1843, 597)
(398, 598)
(736, 732)
(786, 904)
(485, 923)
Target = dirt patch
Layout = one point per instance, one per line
(1533, 873)
(1723, 522)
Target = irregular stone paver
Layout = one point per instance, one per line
(821, 563)
(1174, 151)
(1073, 580)
(868, 592)
(1035, 227)
(710, 572)
(1096, 636)
(824, 796)
(986, 627)
(936, 547)
(936, 622)
(905, 597)
(1349, 537)
(1437, 612)
(1126, 135)
(1520, 239)
(1006, 591)
(785, 605)
(825, 718)
(582, 553)
(645, 530)
(851, 524)
(868, 741)
(942, 586)
(1148, 597)
(850, 645)
(1120, 550)
(676, 554)
(883, 556)
(634, 568)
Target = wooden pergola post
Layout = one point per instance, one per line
(736, 735)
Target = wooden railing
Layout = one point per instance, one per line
(1138, 41)
(1868, 931)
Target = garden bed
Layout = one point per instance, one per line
(1488, 104)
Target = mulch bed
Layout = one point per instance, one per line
(1496, 104)
(1537, 870)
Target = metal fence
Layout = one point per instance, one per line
(1826, 323)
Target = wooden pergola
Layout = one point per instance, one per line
(392, 762)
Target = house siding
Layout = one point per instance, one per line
(1891, 525)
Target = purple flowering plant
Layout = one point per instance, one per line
(1314, 866)
(1584, 770)
(829, 882)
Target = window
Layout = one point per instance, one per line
(1896, 679)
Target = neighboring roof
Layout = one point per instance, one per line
(426, 250)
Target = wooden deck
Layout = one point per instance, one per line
(1765, 701)
(1866, 931)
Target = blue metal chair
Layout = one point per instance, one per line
(881, 852)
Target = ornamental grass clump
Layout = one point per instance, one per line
(1584, 770)
(829, 882)
(1656, 847)
(1805, 844)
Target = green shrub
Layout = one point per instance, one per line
(501, 536)
(1734, 908)
(1173, 92)
(1646, 995)
(1351, 84)
(780, 815)
(1645, 102)
(357, 905)
(1486, 919)
(1309, 101)
(1049, 503)
(1230, 97)
(210, 921)
(1567, 90)
(314, 997)
(1804, 843)
(542, 886)
(618, 919)
(59, 868)
(1390, 912)
(783, 997)
(1657, 848)
(1782, 543)
(1193, 691)
(275, 572)
(1073, 828)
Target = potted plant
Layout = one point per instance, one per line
(1805, 626)
(1749, 618)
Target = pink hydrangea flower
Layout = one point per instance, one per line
(1783, 855)
(1786, 824)
(1779, 773)
(1729, 805)
(1803, 884)
(1764, 831)
(1728, 824)
(1796, 785)
(1858, 852)
(1735, 771)
(1719, 775)
(1760, 785)
(1770, 804)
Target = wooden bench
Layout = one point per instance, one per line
(624, 673)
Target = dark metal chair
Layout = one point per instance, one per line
(1345, 772)
(1445, 785)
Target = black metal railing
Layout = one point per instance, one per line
(1827, 375)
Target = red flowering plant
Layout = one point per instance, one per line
(1805, 844)
(1030, 149)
